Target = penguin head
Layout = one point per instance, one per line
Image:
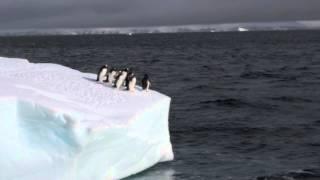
(125, 73)
(131, 74)
(128, 70)
(146, 76)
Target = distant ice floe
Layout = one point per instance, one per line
(241, 29)
(227, 27)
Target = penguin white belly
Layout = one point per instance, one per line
(132, 84)
(119, 82)
(111, 77)
(103, 75)
(121, 79)
(148, 86)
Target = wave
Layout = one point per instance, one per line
(236, 128)
(236, 103)
(290, 99)
(257, 74)
(306, 174)
(199, 87)
(225, 102)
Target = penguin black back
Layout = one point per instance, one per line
(130, 73)
(128, 79)
(145, 82)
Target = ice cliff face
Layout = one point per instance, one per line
(59, 124)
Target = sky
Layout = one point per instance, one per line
(25, 14)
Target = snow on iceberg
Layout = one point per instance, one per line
(59, 124)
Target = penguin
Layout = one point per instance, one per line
(112, 76)
(126, 84)
(146, 83)
(129, 73)
(120, 79)
(102, 74)
(118, 73)
(132, 82)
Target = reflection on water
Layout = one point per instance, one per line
(154, 174)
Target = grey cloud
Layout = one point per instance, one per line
(121, 13)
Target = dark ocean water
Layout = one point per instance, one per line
(244, 105)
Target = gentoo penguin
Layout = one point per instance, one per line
(102, 74)
(120, 79)
(112, 76)
(132, 82)
(146, 82)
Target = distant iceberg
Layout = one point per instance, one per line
(59, 124)
(241, 29)
(226, 27)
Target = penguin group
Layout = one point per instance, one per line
(118, 78)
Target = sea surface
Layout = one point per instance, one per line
(245, 105)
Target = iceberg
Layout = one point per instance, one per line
(58, 123)
(241, 29)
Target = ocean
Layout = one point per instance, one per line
(245, 105)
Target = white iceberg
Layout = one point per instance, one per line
(59, 124)
(241, 29)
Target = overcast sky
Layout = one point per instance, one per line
(20, 14)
